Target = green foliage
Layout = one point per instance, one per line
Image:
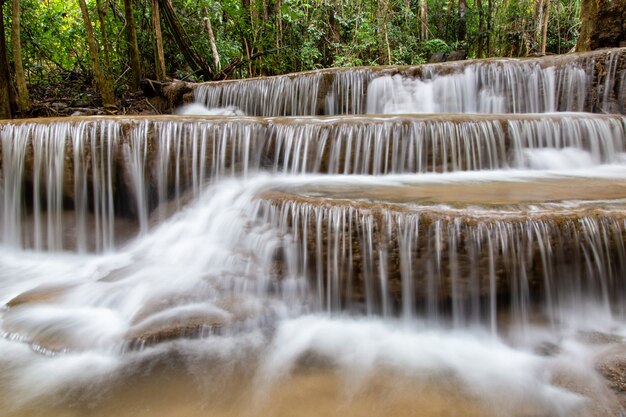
(53, 39)
(279, 36)
(563, 31)
(434, 46)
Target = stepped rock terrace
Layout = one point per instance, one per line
(435, 240)
(115, 167)
(432, 245)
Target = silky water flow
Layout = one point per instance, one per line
(286, 263)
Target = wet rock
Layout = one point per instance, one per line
(42, 294)
(438, 57)
(547, 349)
(48, 337)
(598, 338)
(174, 93)
(615, 373)
(459, 55)
(612, 366)
(80, 103)
(59, 106)
(158, 330)
(448, 256)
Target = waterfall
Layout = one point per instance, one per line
(581, 258)
(47, 165)
(591, 82)
(447, 238)
(273, 96)
(494, 87)
(107, 168)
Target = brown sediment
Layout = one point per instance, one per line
(219, 393)
(218, 390)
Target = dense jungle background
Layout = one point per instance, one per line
(81, 54)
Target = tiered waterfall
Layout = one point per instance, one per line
(447, 238)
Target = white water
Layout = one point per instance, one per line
(483, 88)
(213, 259)
(556, 158)
(196, 109)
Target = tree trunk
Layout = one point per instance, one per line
(538, 19)
(102, 14)
(424, 19)
(159, 55)
(603, 24)
(20, 80)
(104, 84)
(180, 36)
(133, 48)
(279, 24)
(588, 12)
(489, 26)
(5, 77)
(381, 17)
(462, 20)
(481, 28)
(247, 27)
(209, 29)
(544, 26)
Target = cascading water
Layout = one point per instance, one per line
(587, 82)
(134, 167)
(350, 265)
(483, 88)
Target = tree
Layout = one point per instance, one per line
(541, 17)
(481, 29)
(180, 36)
(159, 55)
(462, 20)
(603, 24)
(133, 48)
(424, 20)
(544, 25)
(102, 80)
(16, 44)
(102, 15)
(247, 22)
(6, 112)
(218, 39)
(489, 26)
(588, 11)
(209, 29)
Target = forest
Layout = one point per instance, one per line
(98, 51)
